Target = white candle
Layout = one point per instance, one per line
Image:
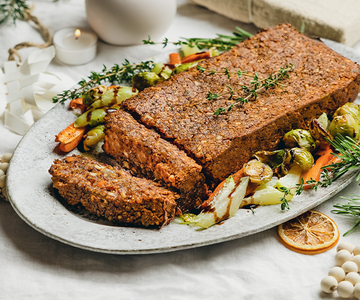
(75, 46)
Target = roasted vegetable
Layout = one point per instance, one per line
(257, 171)
(272, 158)
(158, 68)
(346, 125)
(299, 138)
(224, 205)
(93, 136)
(106, 96)
(184, 67)
(319, 130)
(297, 157)
(94, 117)
(143, 80)
(348, 108)
(70, 137)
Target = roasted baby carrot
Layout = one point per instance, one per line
(174, 58)
(77, 103)
(196, 56)
(315, 171)
(70, 137)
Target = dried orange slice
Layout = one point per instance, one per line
(310, 233)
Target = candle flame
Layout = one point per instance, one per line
(77, 33)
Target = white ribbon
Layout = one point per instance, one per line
(26, 92)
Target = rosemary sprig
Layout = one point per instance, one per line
(257, 85)
(117, 73)
(352, 208)
(221, 42)
(12, 9)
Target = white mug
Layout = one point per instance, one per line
(128, 22)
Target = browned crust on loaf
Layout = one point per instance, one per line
(144, 152)
(321, 81)
(112, 193)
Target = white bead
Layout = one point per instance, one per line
(356, 259)
(345, 289)
(357, 290)
(4, 192)
(338, 273)
(342, 256)
(352, 277)
(6, 157)
(346, 246)
(4, 166)
(356, 250)
(328, 284)
(2, 181)
(350, 266)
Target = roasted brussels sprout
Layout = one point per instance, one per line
(299, 138)
(93, 94)
(143, 80)
(346, 125)
(257, 171)
(348, 108)
(319, 130)
(297, 157)
(272, 158)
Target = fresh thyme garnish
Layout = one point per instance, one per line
(258, 85)
(352, 208)
(221, 42)
(117, 73)
(285, 203)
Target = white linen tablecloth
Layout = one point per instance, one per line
(33, 266)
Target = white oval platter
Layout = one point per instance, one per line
(30, 191)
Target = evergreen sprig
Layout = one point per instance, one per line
(116, 74)
(221, 42)
(12, 9)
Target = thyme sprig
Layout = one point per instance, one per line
(12, 9)
(117, 73)
(221, 42)
(257, 85)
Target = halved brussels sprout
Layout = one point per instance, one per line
(258, 171)
(272, 158)
(346, 125)
(348, 108)
(144, 80)
(297, 157)
(320, 128)
(299, 138)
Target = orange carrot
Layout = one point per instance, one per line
(315, 171)
(77, 103)
(174, 58)
(70, 137)
(196, 56)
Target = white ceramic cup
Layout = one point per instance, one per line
(128, 22)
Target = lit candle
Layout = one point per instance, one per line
(74, 46)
